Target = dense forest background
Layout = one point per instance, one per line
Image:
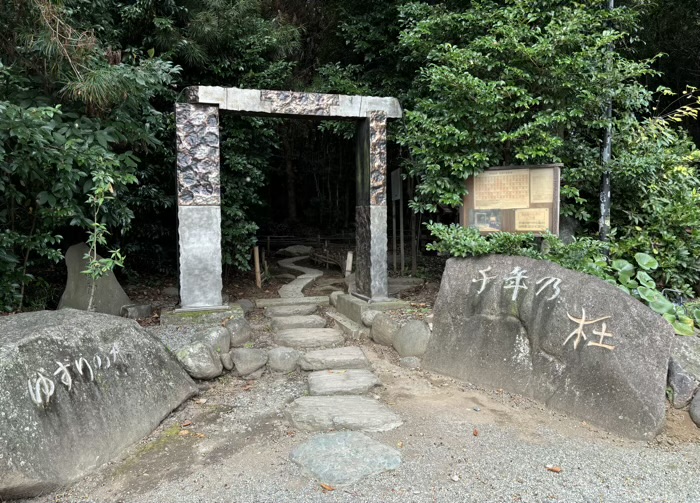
(87, 135)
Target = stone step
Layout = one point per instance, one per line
(309, 338)
(289, 322)
(342, 382)
(344, 457)
(281, 311)
(317, 413)
(350, 328)
(350, 357)
(293, 301)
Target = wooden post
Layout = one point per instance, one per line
(348, 264)
(393, 231)
(256, 258)
(403, 264)
(268, 245)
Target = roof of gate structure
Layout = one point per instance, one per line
(289, 103)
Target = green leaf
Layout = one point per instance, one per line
(646, 262)
(623, 267)
(646, 280)
(681, 324)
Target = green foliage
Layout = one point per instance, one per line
(514, 82)
(642, 286)
(104, 178)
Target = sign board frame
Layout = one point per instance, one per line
(518, 199)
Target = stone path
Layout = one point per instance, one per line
(295, 287)
(340, 379)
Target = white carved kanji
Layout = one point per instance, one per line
(578, 332)
(549, 281)
(515, 281)
(484, 279)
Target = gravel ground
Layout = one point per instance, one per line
(458, 444)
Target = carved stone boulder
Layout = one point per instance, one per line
(76, 388)
(570, 340)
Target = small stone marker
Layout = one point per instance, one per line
(109, 295)
(344, 457)
(572, 341)
(316, 413)
(350, 357)
(309, 338)
(342, 382)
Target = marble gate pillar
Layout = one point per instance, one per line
(370, 212)
(199, 210)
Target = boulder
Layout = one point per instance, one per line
(248, 361)
(572, 341)
(368, 316)
(137, 311)
(240, 331)
(686, 353)
(200, 360)
(383, 329)
(695, 409)
(219, 338)
(109, 295)
(227, 361)
(246, 305)
(412, 339)
(682, 385)
(283, 359)
(77, 389)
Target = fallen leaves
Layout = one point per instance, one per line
(200, 401)
(475, 432)
(399, 445)
(186, 424)
(184, 433)
(553, 468)
(327, 488)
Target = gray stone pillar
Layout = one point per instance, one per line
(199, 210)
(370, 212)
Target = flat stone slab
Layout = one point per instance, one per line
(264, 101)
(350, 357)
(316, 413)
(203, 317)
(288, 322)
(342, 382)
(281, 311)
(344, 457)
(309, 338)
(294, 301)
(349, 327)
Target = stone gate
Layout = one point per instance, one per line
(198, 166)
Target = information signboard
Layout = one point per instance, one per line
(513, 199)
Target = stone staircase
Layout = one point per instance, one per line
(340, 376)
